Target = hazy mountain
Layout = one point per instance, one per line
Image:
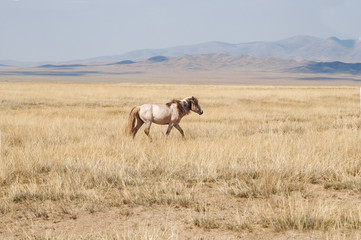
(124, 62)
(329, 67)
(192, 64)
(203, 48)
(298, 48)
(158, 59)
(11, 63)
(205, 62)
(62, 66)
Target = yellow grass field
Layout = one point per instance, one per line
(260, 163)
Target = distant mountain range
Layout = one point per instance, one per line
(297, 48)
(197, 63)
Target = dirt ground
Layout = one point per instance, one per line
(69, 221)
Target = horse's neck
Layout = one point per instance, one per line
(186, 107)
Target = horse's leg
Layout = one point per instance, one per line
(147, 129)
(179, 129)
(139, 124)
(170, 126)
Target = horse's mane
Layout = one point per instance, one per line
(171, 102)
(183, 109)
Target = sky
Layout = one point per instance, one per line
(62, 30)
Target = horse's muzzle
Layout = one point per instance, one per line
(201, 112)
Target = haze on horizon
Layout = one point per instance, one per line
(54, 30)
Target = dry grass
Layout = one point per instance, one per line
(270, 160)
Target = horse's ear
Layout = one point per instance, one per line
(192, 98)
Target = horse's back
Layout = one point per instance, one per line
(157, 113)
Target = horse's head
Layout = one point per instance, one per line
(194, 106)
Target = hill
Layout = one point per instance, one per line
(330, 67)
(191, 64)
(297, 48)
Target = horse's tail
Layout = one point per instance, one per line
(129, 130)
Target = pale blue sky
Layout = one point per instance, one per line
(60, 30)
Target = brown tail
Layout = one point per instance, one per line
(129, 130)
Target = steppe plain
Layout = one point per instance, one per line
(274, 156)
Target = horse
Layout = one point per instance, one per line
(170, 113)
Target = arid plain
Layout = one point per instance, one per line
(262, 162)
